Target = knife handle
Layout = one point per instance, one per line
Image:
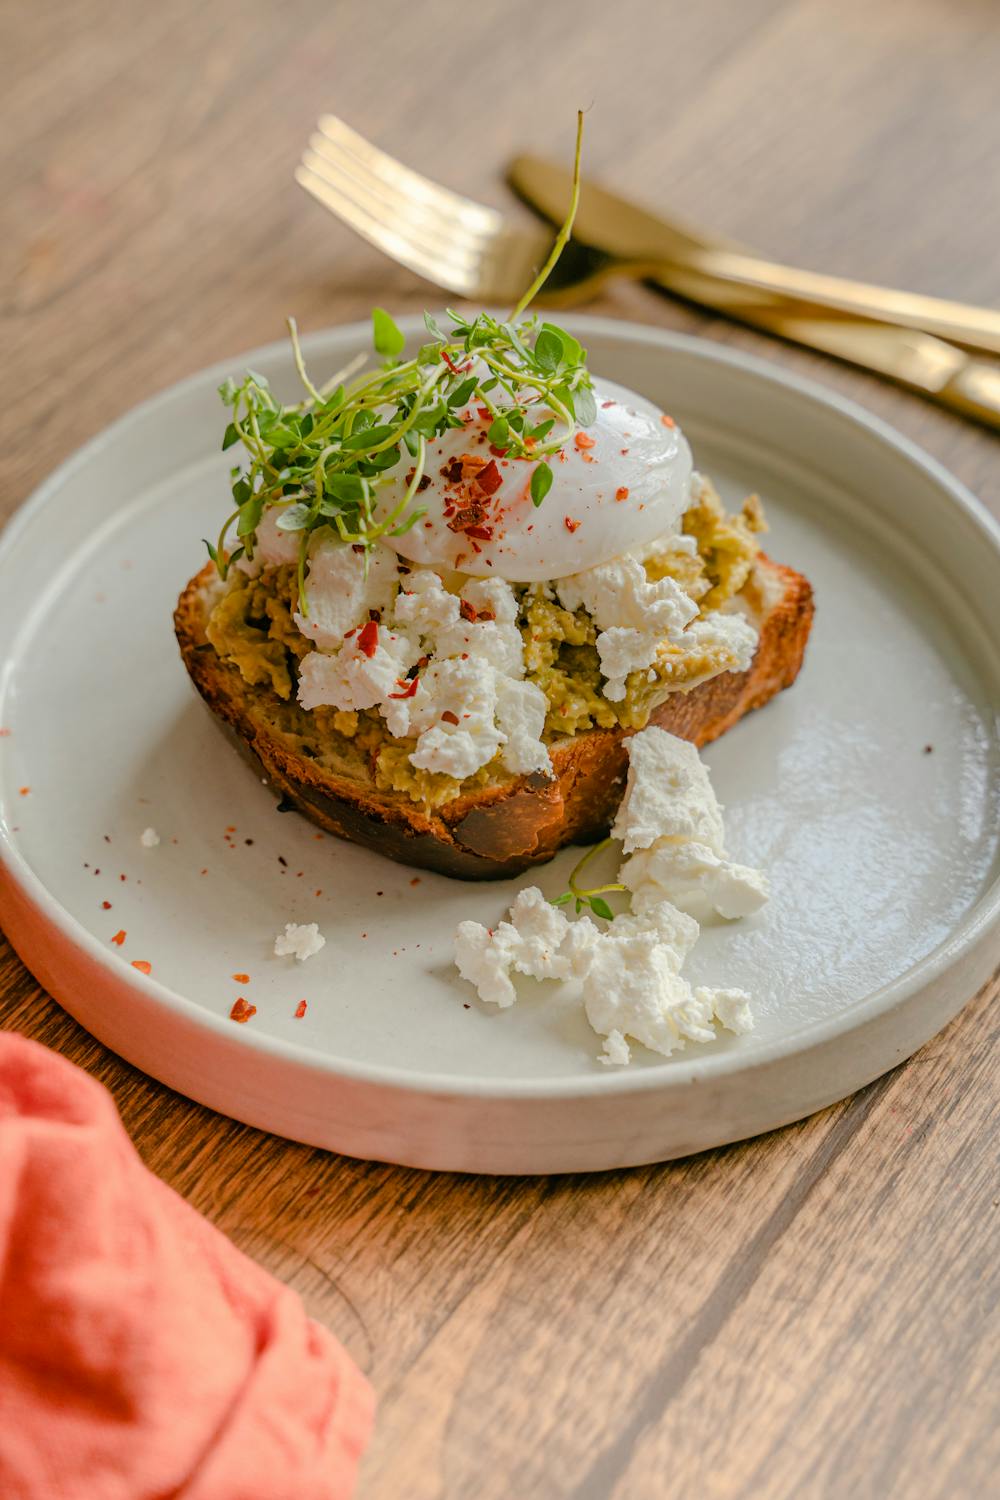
(975, 327)
(974, 391)
(920, 361)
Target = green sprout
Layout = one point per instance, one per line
(592, 896)
(323, 461)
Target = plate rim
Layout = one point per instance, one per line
(685, 1070)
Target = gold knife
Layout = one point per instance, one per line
(911, 356)
(621, 228)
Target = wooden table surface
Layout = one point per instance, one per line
(813, 1313)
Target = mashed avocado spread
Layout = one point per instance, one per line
(251, 626)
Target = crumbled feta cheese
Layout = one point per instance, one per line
(424, 605)
(621, 651)
(351, 678)
(521, 709)
(485, 961)
(728, 639)
(667, 794)
(615, 1050)
(634, 617)
(149, 838)
(272, 547)
(342, 591)
(299, 940)
(632, 984)
(634, 988)
(730, 1007)
(465, 692)
(470, 700)
(492, 595)
(671, 824)
(537, 941)
(618, 593)
(695, 879)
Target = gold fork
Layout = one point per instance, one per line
(452, 241)
(472, 250)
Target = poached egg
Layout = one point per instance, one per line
(620, 483)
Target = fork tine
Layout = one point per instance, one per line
(447, 238)
(383, 236)
(473, 216)
(421, 231)
(453, 241)
(496, 268)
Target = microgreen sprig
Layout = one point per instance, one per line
(592, 896)
(323, 461)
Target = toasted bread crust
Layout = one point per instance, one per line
(495, 832)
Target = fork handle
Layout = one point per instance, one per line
(973, 327)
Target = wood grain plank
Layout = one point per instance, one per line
(810, 1314)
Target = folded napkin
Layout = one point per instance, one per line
(142, 1357)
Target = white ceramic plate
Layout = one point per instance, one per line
(882, 852)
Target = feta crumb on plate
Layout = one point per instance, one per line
(149, 838)
(299, 940)
(632, 986)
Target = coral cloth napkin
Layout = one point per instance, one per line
(142, 1356)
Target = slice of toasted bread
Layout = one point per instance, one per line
(499, 830)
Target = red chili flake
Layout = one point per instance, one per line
(105, 905)
(606, 404)
(489, 479)
(667, 421)
(123, 877)
(422, 484)
(449, 717)
(119, 936)
(203, 872)
(422, 661)
(230, 827)
(468, 611)
(24, 790)
(584, 440)
(107, 838)
(482, 532)
(409, 688)
(242, 978)
(142, 964)
(300, 1010)
(455, 370)
(452, 471)
(563, 456)
(4, 733)
(569, 524)
(483, 413)
(368, 639)
(357, 546)
(317, 894)
(242, 1011)
(498, 452)
(415, 880)
(623, 452)
(622, 494)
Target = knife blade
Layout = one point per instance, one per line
(675, 255)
